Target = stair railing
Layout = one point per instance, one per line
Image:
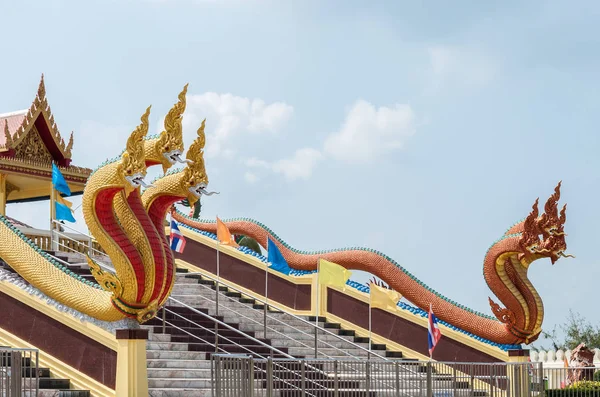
(222, 325)
(342, 352)
(106, 267)
(315, 329)
(85, 237)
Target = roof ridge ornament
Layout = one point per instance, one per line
(9, 142)
(41, 94)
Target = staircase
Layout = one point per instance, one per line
(179, 351)
(50, 386)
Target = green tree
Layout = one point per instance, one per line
(251, 243)
(197, 207)
(574, 331)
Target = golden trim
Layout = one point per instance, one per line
(78, 379)
(92, 331)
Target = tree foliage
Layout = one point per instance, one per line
(249, 242)
(197, 207)
(574, 331)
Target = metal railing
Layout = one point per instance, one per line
(572, 381)
(319, 337)
(19, 372)
(239, 375)
(85, 245)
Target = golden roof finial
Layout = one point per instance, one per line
(41, 89)
(9, 142)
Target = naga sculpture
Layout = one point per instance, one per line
(188, 184)
(505, 270)
(118, 219)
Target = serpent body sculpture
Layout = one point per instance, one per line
(165, 149)
(118, 295)
(505, 271)
(188, 184)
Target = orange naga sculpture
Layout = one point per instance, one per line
(505, 270)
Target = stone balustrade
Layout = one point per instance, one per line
(555, 358)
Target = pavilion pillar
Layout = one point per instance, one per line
(3, 194)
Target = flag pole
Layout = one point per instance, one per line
(218, 279)
(317, 309)
(52, 215)
(217, 294)
(369, 355)
(266, 299)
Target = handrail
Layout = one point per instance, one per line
(240, 332)
(237, 313)
(310, 323)
(104, 266)
(196, 311)
(89, 238)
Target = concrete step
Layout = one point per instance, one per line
(182, 392)
(178, 363)
(174, 355)
(179, 383)
(169, 373)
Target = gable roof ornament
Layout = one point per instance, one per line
(39, 107)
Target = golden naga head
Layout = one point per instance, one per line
(194, 179)
(133, 167)
(169, 146)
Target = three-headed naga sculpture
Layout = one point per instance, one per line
(505, 271)
(126, 223)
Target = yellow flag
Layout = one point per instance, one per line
(63, 201)
(333, 274)
(383, 298)
(224, 235)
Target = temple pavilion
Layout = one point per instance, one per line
(29, 143)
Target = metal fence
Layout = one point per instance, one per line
(572, 382)
(19, 375)
(244, 376)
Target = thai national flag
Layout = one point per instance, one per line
(177, 239)
(433, 333)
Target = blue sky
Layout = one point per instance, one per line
(465, 113)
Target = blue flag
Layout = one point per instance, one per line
(277, 260)
(59, 181)
(63, 212)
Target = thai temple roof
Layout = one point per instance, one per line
(30, 142)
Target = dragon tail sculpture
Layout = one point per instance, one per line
(505, 270)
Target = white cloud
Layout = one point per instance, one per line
(250, 177)
(455, 65)
(368, 132)
(256, 163)
(228, 117)
(300, 166)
